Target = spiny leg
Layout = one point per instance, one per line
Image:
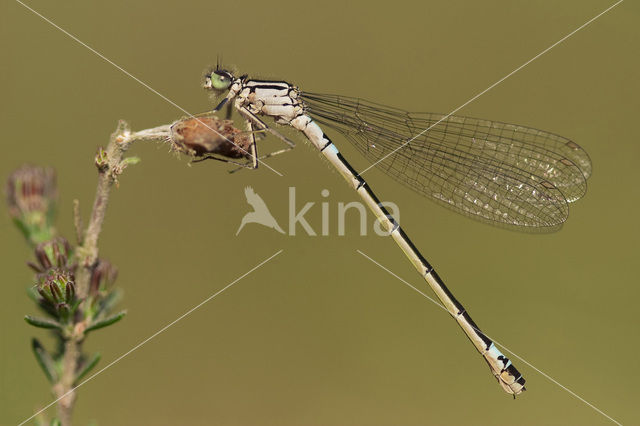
(224, 160)
(254, 146)
(222, 103)
(229, 111)
(271, 154)
(252, 120)
(249, 116)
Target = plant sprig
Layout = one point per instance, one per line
(73, 286)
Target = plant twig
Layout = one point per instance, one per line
(76, 291)
(64, 388)
(110, 164)
(77, 222)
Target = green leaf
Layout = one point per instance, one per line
(75, 305)
(42, 322)
(24, 229)
(41, 234)
(45, 361)
(56, 422)
(33, 294)
(64, 312)
(86, 367)
(105, 322)
(110, 300)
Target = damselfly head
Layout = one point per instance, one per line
(218, 80)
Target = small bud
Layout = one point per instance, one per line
(52, 254)
(57, 291)
(103, 276)
(102, 159)
(31, 195)
(199, 136)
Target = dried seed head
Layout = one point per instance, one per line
(199, 136)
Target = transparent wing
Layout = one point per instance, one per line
(505, 174)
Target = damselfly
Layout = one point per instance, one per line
(504, 174)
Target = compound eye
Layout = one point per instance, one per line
(220, 80)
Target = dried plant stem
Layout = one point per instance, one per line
(110, 166)
(64, 388)
(110, 163)
(77, 222)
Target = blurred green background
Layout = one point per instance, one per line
(320, 335)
